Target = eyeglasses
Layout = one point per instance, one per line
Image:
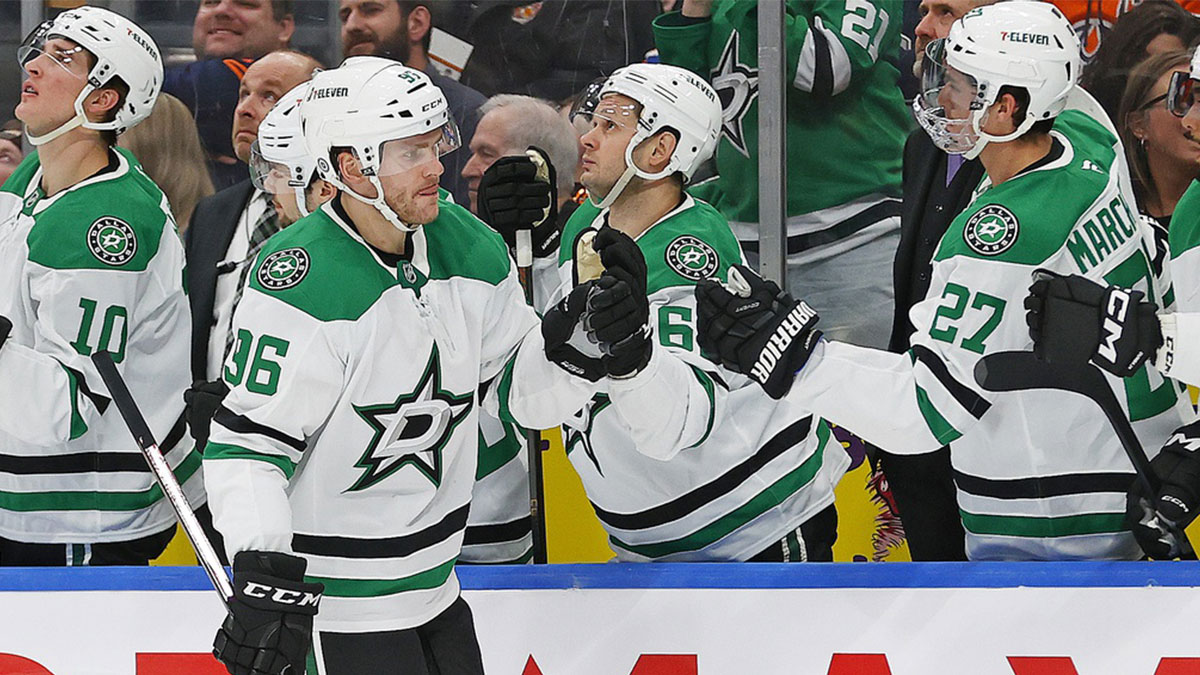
(1179, 94)
(1153, 102)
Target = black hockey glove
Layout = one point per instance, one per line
(201, 401)
(1074, 319)
(269, 627)
(518, 193)
(751, 326)
(565, 340)
(1158, 521)
(5, 329)
(618, 313)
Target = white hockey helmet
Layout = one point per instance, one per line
(368, 104)
(671, 98)
(279, 158)
(121, 48)
(1023, 43)
(1179, 92)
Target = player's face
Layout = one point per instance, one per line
(373, 27)
(57, 74)
(490, 143)
(1167, 137)
(264, 82)
(409, 170)
(238, 29)
(956, 96)
(936, 18)
(613, 125)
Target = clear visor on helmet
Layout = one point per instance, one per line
(585, 104)
(946, 101)
(404, 154)
(273, 178)
(61, 51)
(1179, 93)
(605, 109)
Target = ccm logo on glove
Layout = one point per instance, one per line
(1114, 323)
(280, 595)
(793, 324)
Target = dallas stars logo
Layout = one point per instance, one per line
(737, 87)
(283, 269)
(579, 430)
(692, 258)
(112, 241)
(412, 430)
(992, 230)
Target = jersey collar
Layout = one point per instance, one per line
(104, 175)
(687, 203)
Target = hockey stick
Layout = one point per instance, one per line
(1019, 370)
(533, 437)
(162, 473)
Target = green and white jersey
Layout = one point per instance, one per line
(687, 461)
(1040, 473)
(97, 266)
(499, 528)
(1183, 266)
(843, 102)
(350, 435)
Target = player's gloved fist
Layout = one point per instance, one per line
(1157, 521)
(5, 329)
(269, 626)
(1073, 319)
(751, 326)
(519, 193)
(565, 339)
(618, 311)
(200, 402)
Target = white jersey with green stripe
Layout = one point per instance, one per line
(688, 461)
(499, 528)
(350, 434)
(1039, 473)
(95, 266)
(1183, 266)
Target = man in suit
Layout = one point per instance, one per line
(937, 187)
(226, 231)
(400, 30)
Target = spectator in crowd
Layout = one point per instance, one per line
(509, 125)
(400, 30)
(227, 35)
(553, 49)
(1153, 27)
(937, 187)
(168, 147)
(11, 153)
(1164, 158)
(228, 228)
(843, 217)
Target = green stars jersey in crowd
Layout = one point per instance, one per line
(96, 266)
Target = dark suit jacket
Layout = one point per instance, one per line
(209, 232)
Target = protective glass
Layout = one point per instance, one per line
(589, 109)
(946, 102)
(63, 52)
(1179, 94)
(585, 103)
(273, 178)
(404, 154)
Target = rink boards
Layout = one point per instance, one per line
(673, 619)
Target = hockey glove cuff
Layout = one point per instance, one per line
(519, 193)
(618, 315)
(566, 342)
(269, 627)
(751, 326)
(200, 402)
(1157, 520)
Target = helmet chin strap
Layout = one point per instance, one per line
(631, 170)
(381, 206)
(984, 138)
(301, 201)
(79, 120)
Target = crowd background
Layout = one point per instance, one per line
(552, 50)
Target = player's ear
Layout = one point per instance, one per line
(100, 104)
(1004, 110)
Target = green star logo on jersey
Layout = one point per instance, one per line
(736, 85)
(992, 230)
(692, 258)
(283, 269)
(112, 241)
(579, 430)
(412, 430)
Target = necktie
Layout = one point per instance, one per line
(266, 225)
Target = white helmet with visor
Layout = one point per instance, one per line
(279, 159)
(1024, 44)
(121, 49)
(375, 107)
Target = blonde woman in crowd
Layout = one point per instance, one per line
(168, 146)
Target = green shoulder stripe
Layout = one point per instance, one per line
(216, 451)
(461, 245)
(583, 216)
(316, 267)
(1184, 233)
(690, 246)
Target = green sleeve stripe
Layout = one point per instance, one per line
(374, 588)
(710, 390)
(78, 426)
(95, 501)
(941, 429)
(505, 390)
(1031, 526)
(769, 498)
(492, 457)
(215, 451)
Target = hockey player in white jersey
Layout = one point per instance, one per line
(1039, 474)
(681, 460)
(89, 260)
(342, 461)
(280, 164)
